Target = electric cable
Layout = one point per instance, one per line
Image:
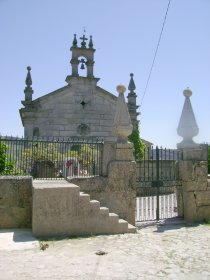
(155, 55)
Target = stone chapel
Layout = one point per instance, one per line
(81, 108)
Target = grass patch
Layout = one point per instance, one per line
(44, 243)
(206, 222)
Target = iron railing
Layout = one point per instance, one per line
(158, 162)
(51, 158)
(146, 206)
(157, 178)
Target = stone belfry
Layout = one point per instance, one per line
(82, 57)
(132, 107)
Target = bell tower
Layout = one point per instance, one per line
(82, 57)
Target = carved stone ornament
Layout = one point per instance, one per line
(122, 127)
(83, 129)
(187, 127)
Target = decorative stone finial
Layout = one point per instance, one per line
(132, 85)
(74, 43)
(28, 89)
(187, 92)
(121, 89)
(91, 42)
(187, 127)
(28, 78)
(122, 122)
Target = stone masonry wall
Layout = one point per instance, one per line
(194, 195)
(15, 202)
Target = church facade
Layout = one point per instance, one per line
(81, 108)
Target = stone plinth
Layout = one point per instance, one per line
(54, 205)
(124, 151)
(121, 197)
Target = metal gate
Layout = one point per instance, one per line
(157, 179)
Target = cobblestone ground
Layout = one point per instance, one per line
(162, 251)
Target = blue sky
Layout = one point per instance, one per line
(125, 34)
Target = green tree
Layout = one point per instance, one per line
(139, 146)
(208, 159)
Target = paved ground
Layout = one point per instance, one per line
(164, 251)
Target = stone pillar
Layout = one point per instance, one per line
(74, 64)
(122, 168)
(194, 194)
(90, 69)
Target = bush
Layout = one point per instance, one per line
(208, 159)
(6, 166)
(139, 146)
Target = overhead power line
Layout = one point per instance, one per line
(155, 55)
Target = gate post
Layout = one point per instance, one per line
(193, 168)
(121, 169)
(195, 193)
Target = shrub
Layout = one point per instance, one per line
(139, 146)
(6, 166)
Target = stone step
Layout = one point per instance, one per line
(95, 206)
(104, 212)
(131, 229)
(122, 226)
(113, 218)
(87, 215)
(84, 198)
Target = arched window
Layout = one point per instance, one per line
(82, 66)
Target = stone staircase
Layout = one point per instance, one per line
(100, 221)
(60, 209)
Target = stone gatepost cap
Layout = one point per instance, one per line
(121, 88)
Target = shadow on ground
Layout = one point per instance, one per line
(20, 234)
(165, 225)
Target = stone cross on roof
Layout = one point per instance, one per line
(83, 43)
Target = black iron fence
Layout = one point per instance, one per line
(50, 158)
(158, 162)
(157, 178)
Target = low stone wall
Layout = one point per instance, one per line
(15, 202)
